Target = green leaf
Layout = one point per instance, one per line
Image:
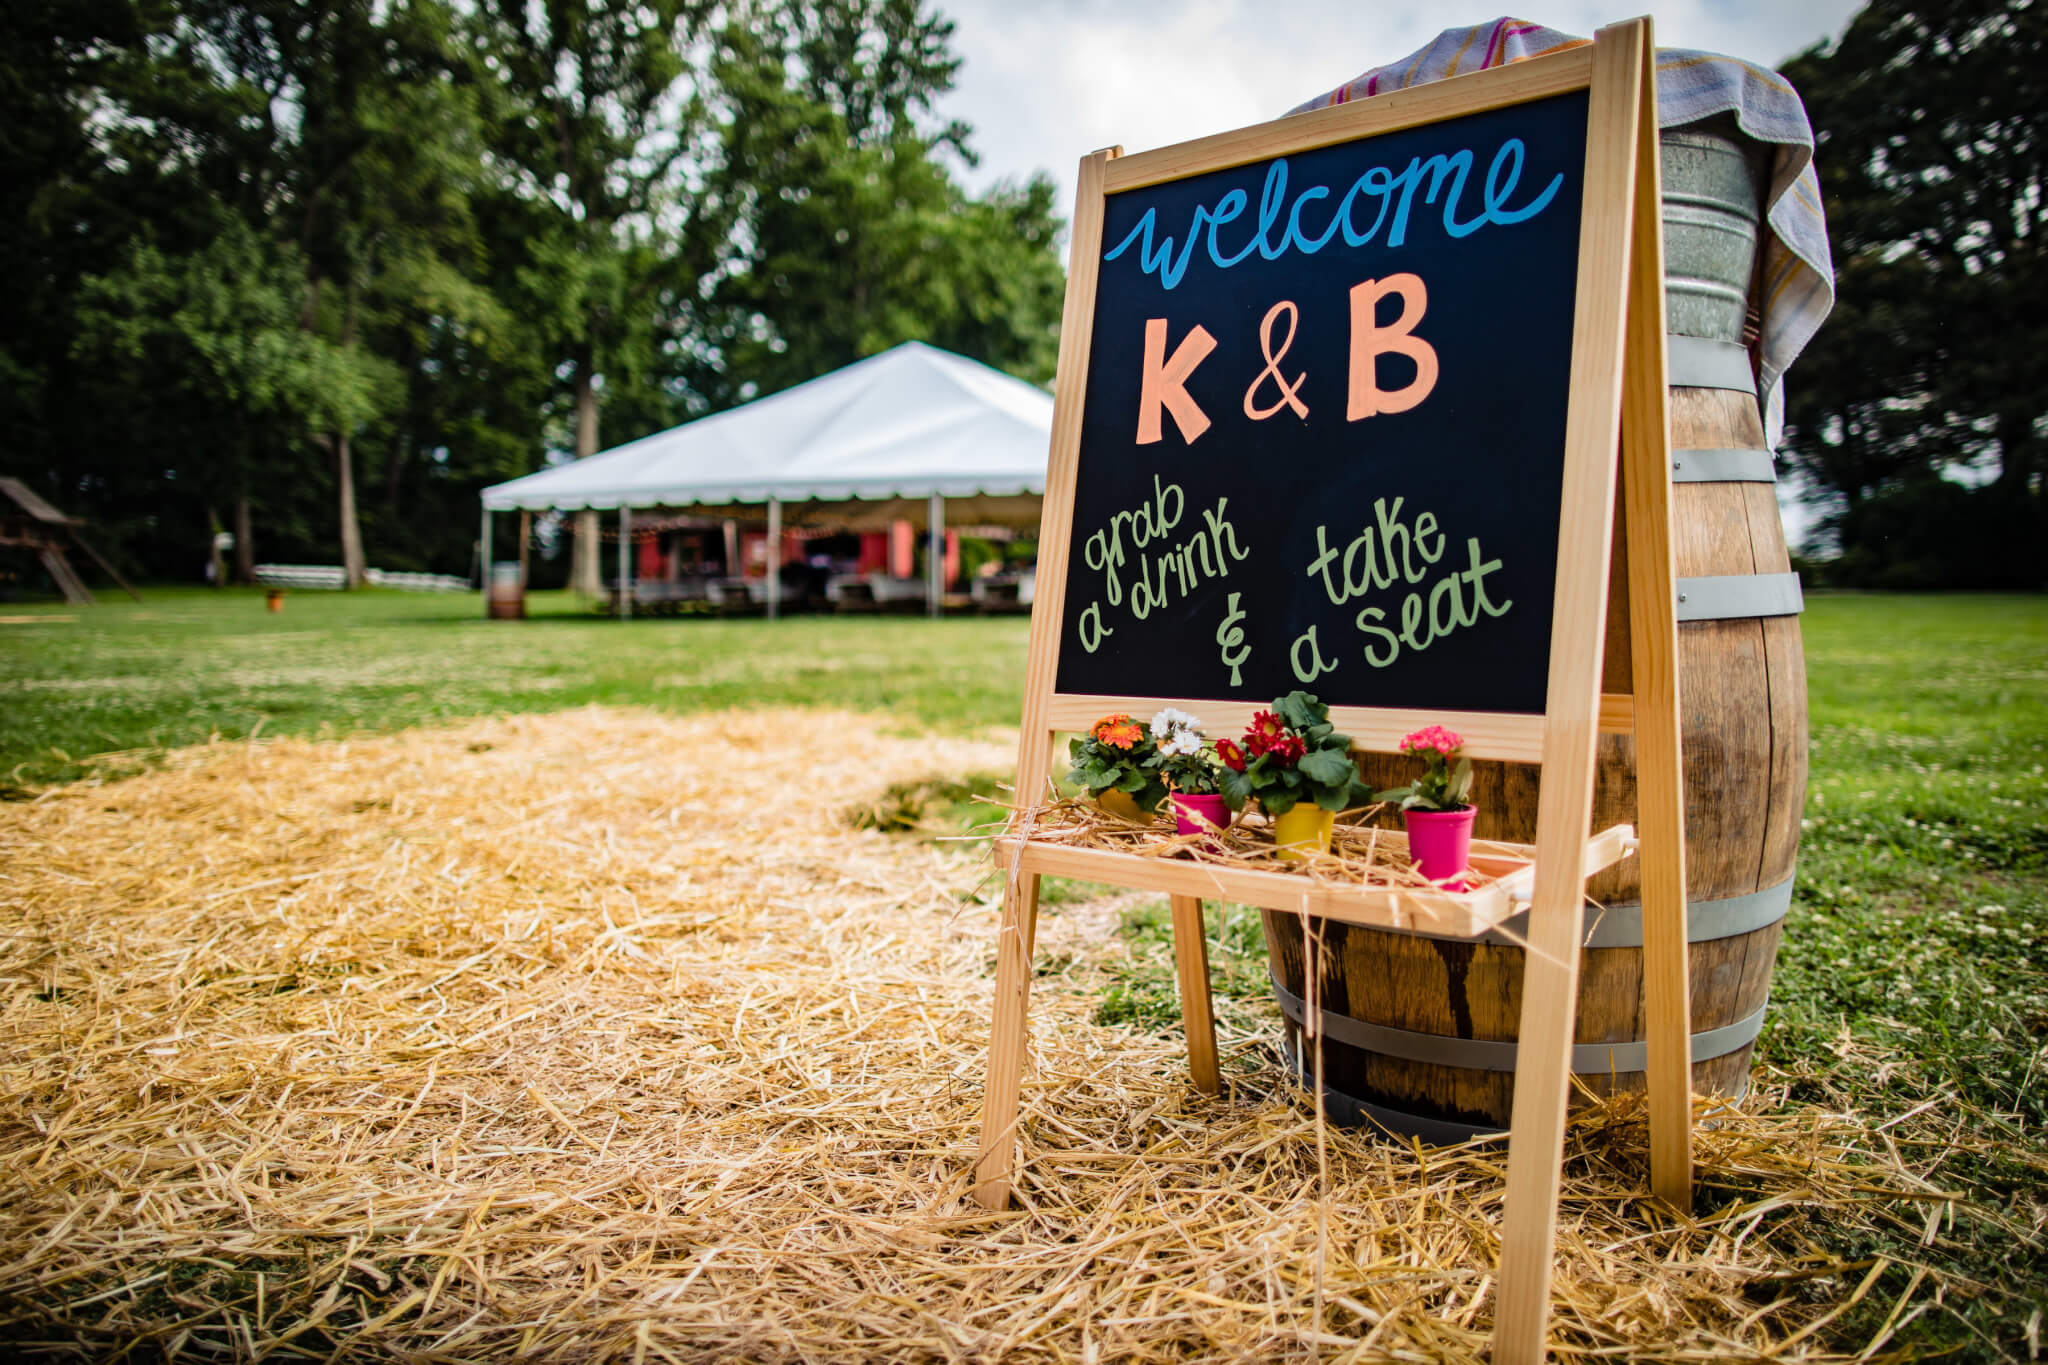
(1328, 768)
(1459, 788)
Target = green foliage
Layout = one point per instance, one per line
(1931, 162)
(218, 331)
(1129, 763)
(1142, 990)
(858, 237)
(1324, 771)
(250, 243)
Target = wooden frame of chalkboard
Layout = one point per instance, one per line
(1498, 385)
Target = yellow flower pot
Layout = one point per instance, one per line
(1122, 804)
(1303, 831)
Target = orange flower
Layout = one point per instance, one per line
(1124, 735)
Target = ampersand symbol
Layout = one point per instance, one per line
(1290, 394)
(1230, 635)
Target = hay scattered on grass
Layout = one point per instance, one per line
(597, 1036)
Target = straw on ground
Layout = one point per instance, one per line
(602, 1035)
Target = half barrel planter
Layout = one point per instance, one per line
(1419, 1033)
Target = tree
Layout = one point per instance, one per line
(599, 113)
(855, 236)
(1930, 148)
(210, 351)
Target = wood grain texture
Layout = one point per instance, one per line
(1653, 635)
(1191, 967)
(1622, 62)
(1496, 88)
(1009, 1029)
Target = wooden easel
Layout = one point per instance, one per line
(1617, 427)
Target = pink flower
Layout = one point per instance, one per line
(1433, 739)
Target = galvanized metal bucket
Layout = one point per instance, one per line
(1713, 193)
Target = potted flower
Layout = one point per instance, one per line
(1434, 806)
(1191, 770)
(1118, 763)
(1298, 768)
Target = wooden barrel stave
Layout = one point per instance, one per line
(1744, 704)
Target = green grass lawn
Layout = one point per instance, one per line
(188, 664)
(1911, 983)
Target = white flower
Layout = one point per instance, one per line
(1170, 723)
(1182, 743)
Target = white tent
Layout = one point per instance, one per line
(893, 436)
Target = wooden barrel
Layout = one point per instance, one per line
(1419, 1033)
(506, 592)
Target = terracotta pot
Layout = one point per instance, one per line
(1440, 843)
(274, 600)
(1303, 831)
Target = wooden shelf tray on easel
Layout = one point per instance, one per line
(1509, 868)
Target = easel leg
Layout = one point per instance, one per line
(1550, 991)
(1653, 641)
(1191, 961)
(1007, 1036)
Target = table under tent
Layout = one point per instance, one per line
(887, 447)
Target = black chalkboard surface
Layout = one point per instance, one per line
(1323, 435)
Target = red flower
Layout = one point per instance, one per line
(1289, 749)
(1263, 733)
(1232, 756)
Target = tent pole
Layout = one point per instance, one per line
(625, 562)
(935, 558)
(483, 556)
(525, 539)
(774, 558)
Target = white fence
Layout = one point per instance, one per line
(333, 576)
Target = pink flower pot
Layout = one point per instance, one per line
(1440, 842)
(1202, 814)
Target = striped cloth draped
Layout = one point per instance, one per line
(1798, 280)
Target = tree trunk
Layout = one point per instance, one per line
(345, 471)
(245, 543)
(586, 565)
(351, 532)
(352, 573)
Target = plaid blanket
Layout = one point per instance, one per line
(1798, 280)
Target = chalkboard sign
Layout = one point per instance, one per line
(1323, 434)
(1329, 387)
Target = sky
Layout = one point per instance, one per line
(1044, 82)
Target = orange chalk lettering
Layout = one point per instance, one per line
(1163, 383)
(1369, 341)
